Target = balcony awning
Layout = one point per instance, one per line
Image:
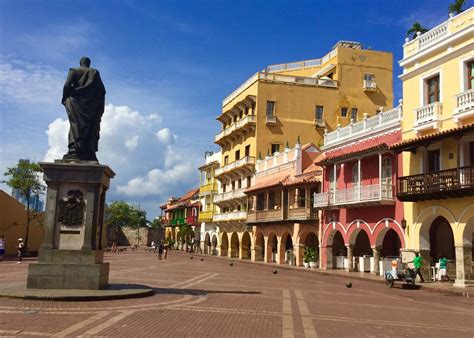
(411, 144)
(267, 183)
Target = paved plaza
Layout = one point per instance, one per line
(210, 298)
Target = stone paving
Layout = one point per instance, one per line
(210, 298)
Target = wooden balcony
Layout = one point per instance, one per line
(366, 195)
(191, 220)
(456, 182)
(276, 215)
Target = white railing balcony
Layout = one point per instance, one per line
(464, 105)
(235, 126)
(229, 195)
(303, 80)
(365, 127)
(363, 194)
(319, 123)
(247, 160)
(370, 85)
(230, 216)
(428, 117)
(438, 34)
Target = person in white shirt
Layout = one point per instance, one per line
(21, 249)
(2, 247)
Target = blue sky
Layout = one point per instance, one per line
(166, 66)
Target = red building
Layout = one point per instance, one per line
(362, 221)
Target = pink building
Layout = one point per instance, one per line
(362, 225)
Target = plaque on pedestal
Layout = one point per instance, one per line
(71, 256)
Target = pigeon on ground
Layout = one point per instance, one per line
(192, 257)
(231, 264)
(348, 285)
(275, 272)
(202, 259)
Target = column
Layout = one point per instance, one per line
(326, 258)
(464, 273)
(280, 252)
(380, 176)
(376, 256)
(335, 184)
(299, 253)
(350, 258)
(426, 270)
(268, 251)
(358, 180)
(297, 196)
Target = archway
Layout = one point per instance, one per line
(207, 243)
(214, 245)
(362, 245)
(234, 245)
(259, 247)
(309, 240)
(246, 244)
(224, 244)
(339, 250)
(391, 244)
(286, 249)
(441, 240)
(272, 248)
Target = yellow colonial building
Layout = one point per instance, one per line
(208, 231)
(438, 145)
(286, 104)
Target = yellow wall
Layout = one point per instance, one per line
(13, 224)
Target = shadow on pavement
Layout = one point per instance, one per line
(197, 292)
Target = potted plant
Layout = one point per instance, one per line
(307, 257)
(310, 256)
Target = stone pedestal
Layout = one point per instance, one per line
(71, 256)
(376, 255)
(350, 258)
(464, 273)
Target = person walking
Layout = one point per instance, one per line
(20, 248)
(443, 268)
(165, 249)
(418, 263)
(160, 250)
(2, 248)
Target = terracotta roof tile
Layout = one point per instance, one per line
(431, 137)
(274, 181)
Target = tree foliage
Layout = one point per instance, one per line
(417, 27)
(25, 177)
(121, 214)
(457, 7)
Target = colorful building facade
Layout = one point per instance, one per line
(287, 102)
(362, 221)
(280, 210)
(437, 183)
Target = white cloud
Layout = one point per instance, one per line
(132, 143)
(147, 164)
(165, 136)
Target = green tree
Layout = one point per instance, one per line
(120, 213)
(417, 27)
(457, 7)
(25, 178)
(185, 234)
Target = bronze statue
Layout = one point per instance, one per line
(84, 99)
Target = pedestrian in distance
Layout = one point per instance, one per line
(160, 250)
(153, 246)
(443, 268)
(418, 263)
(20, 249)
(2, 248)
(165, 250)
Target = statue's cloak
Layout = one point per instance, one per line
(84, 99)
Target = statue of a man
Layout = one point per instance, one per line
(84, 99)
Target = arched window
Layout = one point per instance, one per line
(332, 183)
(386, 179)
(355, 175)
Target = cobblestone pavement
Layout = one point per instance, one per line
(210, 298)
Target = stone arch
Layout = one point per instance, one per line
(383, 226)
(334, 249)
(271, 247)
(423, 223)
(465, 252)
(207, 243)
(214, 245)
(245, 246)
(329, 231)
(285, 248)
(361, 242)
(224, 244)
(234, 245)
(390, 243)
(259, 246)
(307, 239)
(355, 228)
(441, 237)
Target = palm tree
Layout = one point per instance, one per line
(417, 27)
(457, 6)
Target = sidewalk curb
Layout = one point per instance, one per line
(452, 292)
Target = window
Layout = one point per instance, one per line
(354, 114)
(233, 185)
(387, 177)
(319, 113)
(260, 202)
(224, 186)
(344, 111)
(237, 155)
(275, 148)
(432, 89)
(249, 181)
(332, 183)
(271, 200)
(301, 198)
(226, 160)
(369, 77)
(470, 75)
(330, 75)
(270, 108)
(247, 150)
(239, 183)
